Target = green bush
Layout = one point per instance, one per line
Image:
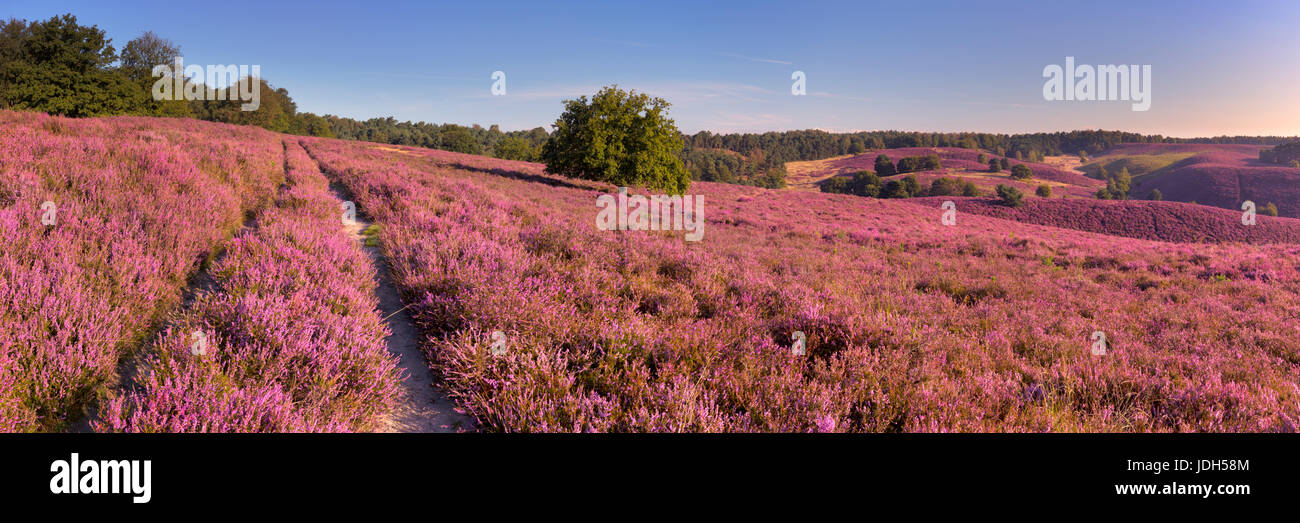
(1011, 196)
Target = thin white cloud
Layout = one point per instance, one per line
(429, 76)
(752, 59)
(734, 122)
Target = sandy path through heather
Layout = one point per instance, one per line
(424, 408)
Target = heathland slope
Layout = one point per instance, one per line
(535, 319)
(1217, 175)
(956, 163)
(1162, 221)
(910, 325)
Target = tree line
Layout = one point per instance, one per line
(61, 67)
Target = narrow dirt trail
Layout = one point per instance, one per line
(424, 408)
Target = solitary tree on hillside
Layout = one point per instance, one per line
(1155, 195)
(995, 165)
(1044, 191)
(620, 137)
(1021, 172)
(1270, 209)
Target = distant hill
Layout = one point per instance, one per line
(956, 163)
(1147, 220)
(1217, 175)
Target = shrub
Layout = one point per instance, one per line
(885, 166)
(945, 187)
(1004, 164)
(995, 165)
(968, 188)
(1044, 191)
(837, 185)
(894, 189)
(1270, 209)
(1118, 185)
(912, 186)
(911, 164)
(1011, 196)
(983, 158)
(1021, 172)
(865, 183)
(1155, 195)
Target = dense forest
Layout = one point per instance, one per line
(61, 67)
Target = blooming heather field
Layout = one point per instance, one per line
(295, 340)
(1163, 221)
(1217, 175)
(139, 204)
(911, 325)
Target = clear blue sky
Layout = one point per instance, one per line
(1217, 67)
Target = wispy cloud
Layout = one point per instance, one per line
(698, 91)
(738, 122)
(753, 59)
(679, 93)
(421, 76)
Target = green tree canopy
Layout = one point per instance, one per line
(620, 137)
(65, 68)
(139, 57)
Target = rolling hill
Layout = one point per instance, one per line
(1215, 175)
(909, 325)
(957, 163)
(1160, 221)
